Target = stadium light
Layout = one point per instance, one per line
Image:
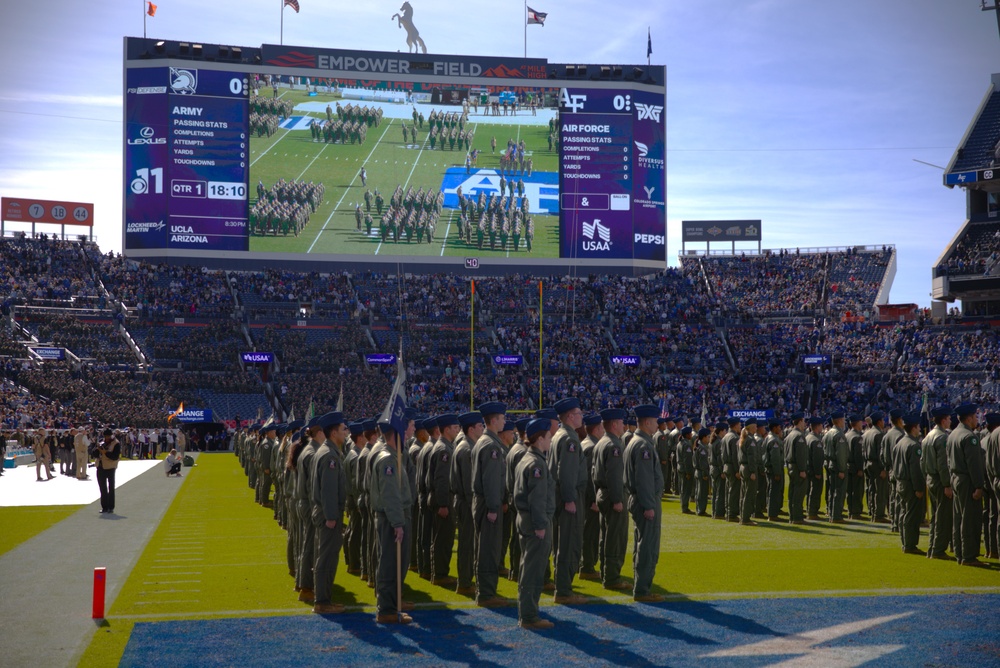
(236, 53)
(617, 71)
(605, 71)
(197, 50)
(161, 46)
(637, 72)
(184, 48)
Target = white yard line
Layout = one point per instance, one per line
(346, 190)
(447, 230)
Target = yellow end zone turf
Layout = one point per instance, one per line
(23, 522)
(218, 554)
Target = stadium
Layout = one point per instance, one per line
(298, 306)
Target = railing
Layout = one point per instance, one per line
(813, 250)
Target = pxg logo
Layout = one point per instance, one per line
(650, 111)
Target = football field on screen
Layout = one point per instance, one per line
(292, 154)
(212, 587)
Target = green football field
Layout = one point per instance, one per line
(216, 554)
(293, 155)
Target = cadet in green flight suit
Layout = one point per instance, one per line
(535, 500)
(663, 451)
(685, 469)
(910, 483)
(748, 473)
(702, 471)
(437, 471)
(352, 539)
(992, 457)
(609, 481)
(644, 482)
(329, 497)
(855, 469)
(508, 436)
(797, 459)
(934, 465)
(774, 468)
(731, 468)
(307, 531)
(876, 475)
(391, 502)
(838, 451)
(567, 465)
(514, 456)
(594, 426)
(264, 455)
(817, 459)
(488, 484)
(718, 477)
(461, 489)
(888, 445)
(965, 463)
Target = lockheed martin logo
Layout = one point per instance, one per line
(604, 233)
(153, 226)
(183, 82)
(573, 103)
(650, 111)
(642, 148)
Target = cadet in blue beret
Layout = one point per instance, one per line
(352, 537)
(666, 443)
(934, 465)
(838, 453)
(797, 458)
(567, 465)
(437, 476)
(329, 498)
(461, 487)
(264, 455)
(644, 481)
(684, 453)
(889, 441)
(731, 467)
(427, 435)
(609, 482)
(304, 573)
(392, 505)
(534, 497)
(594, 426)
(774, 468)
(702, 470)
(968, 477)
(876, 477)
(488, 499)
(855, 467)
(522, 426)
(817, 460)
(910, 483)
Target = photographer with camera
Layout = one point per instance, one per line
(108, 453)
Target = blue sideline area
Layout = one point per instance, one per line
(906, 630)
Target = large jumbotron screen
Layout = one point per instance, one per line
(388, 156)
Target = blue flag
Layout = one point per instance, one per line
(649, 43)
(395, 409)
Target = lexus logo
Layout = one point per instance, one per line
(147, 132)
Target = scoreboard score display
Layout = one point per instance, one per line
(351, 156)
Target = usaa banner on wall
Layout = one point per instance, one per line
(720, 230)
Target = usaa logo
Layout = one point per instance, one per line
(598, 236)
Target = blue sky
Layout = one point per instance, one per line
(807, 115)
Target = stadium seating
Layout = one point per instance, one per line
(720, 332)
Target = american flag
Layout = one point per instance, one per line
(535, 17)
(294, 4)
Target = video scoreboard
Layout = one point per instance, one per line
(563, 164)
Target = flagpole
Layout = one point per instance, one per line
(281, 38)
(540, 320)
(144, 18)
(526, 35)
(472, 346)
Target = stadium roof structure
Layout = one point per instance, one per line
(976, 161)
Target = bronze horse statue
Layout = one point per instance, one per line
(405, 20)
